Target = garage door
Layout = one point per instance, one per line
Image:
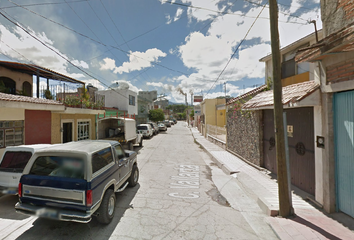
(301, 146)
(344, 150)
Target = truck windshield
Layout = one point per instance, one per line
(142, 128)
(58, 166)
(15, 160)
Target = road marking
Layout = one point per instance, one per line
(187, 178)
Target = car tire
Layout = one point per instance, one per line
(141, 142)
(134, 176)
(107, 208)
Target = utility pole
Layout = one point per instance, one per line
(285, 207)
(225, 89)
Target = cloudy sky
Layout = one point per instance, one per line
(152, 44)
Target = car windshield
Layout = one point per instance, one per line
(58, 166)
(15, 160)
(142, 127)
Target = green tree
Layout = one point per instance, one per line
(192, 114)
(156, 115)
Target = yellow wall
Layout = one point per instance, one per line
(12, 114)
(56, 125)
(221, 119)
(299, 78)
(18, 77)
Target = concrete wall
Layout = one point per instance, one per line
(245, 134)
(221, 118)
(119, 98)
(336, 15)
(18, 77)
(37, 127)
(150, 95)
(57, 119)
(12, 114)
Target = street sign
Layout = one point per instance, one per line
(198, 98)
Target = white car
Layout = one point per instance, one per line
(146, 130)
(12, 164)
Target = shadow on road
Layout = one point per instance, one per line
(7, 208)
(51, 229)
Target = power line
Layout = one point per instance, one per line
(236, 49)
(226, 12)
(101, 43)
(42, 4)
(57, 53)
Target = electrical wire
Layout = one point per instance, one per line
(228, 13)
(56, 52)
(237, 49)
(42, 4)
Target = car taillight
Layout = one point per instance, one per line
(20, 189)
(89, 198)
(147, 131)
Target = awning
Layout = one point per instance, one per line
(338, 42)
(303, 94)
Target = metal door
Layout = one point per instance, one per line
(301, 146)
(343, 106)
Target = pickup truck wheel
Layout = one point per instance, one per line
(134, 177)
(107, 208)
(141, 142)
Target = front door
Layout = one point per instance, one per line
(67, 132)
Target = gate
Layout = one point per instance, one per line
(343, 107)
(301, 146)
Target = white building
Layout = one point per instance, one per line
(122, 98)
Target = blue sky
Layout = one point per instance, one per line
(151, 44)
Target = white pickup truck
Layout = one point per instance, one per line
(119, 129)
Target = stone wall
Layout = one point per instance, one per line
(245, 135)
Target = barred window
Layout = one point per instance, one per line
(11, 133)
(131, 100)
(83, 130)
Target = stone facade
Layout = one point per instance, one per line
(245, 135)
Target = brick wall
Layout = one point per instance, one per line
(340, 72)
(336, 14)
(244, 135)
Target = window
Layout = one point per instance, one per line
(142, 127)
(131, 100)
(15, 161)
(119, 152)
(11, 133)
(101, 159)
(83, 130)
(58, 166)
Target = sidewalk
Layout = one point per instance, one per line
(309, 222)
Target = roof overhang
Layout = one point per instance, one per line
(32, 106)
(338, 42)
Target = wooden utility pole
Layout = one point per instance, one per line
(285, 207)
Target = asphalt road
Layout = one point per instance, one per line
(175, 199)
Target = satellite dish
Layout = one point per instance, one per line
(123, 85)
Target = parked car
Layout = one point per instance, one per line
(146, 130)
(175, 121)
(172, 122)
(162, 127)
(12, 164)
(154, 127)
(167, 123)
(76, 181)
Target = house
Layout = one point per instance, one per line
(245, 123)
(29, 120)
(121, 98)
(302, 105)
(144, 106)
(334, 58)
(212, 114)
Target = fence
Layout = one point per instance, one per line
(217, 132)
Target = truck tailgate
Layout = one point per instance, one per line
(9, 181)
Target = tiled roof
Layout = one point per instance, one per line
(292, 93)
(19, 98)
(248, 94)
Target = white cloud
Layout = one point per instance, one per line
(169, 19)
(131, 86)
(33, 51)
(137, 61)
(178, 14)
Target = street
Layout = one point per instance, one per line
(177, 198)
